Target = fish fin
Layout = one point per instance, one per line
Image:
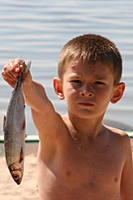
(26, 70)
(21, 155)
(23, 127)
(23, 74)
(27, 67)
(13, 91)
(4, 122)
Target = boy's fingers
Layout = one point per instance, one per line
(11, 70)
(16, 63)
(19, 64)
(19, 61)
(9, 75)
(14, 66)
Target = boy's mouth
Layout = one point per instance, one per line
(86, 104)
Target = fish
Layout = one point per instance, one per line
(14, 129)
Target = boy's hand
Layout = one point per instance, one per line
(11, 70)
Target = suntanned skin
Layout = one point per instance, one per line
(78, 157)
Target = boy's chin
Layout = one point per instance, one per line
(87, 114)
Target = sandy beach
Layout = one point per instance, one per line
(28, 190)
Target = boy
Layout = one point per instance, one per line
(79, 158)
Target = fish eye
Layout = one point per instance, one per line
(16, 177)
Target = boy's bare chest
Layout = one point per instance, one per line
(85, 174)
(93, 168)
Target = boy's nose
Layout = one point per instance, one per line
(87, 92)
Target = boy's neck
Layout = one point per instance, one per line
(86, 128)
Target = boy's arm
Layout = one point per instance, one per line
(127, 173)
(45, 118)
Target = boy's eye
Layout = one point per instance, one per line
(99, 83)
(76, 81)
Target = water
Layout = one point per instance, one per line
(37, 30)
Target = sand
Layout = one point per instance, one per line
(28, 189)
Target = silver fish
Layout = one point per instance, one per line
(14, 130)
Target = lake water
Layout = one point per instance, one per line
(37, 30)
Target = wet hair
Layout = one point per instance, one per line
(91, 48)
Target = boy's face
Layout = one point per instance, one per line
(88, 89)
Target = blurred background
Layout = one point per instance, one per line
(37, 31)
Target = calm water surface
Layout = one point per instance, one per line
(37, 30)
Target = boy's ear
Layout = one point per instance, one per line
(58, 88)
(118, 92)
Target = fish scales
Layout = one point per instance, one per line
(14, 131)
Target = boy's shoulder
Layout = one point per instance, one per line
(116, 131)
(118, 135)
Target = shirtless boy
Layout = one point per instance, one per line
(79, 158)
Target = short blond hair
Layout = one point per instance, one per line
(91, 48)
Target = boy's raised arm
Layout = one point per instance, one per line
(35, 95)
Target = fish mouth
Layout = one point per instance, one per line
(16, 179)
(16, 170)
